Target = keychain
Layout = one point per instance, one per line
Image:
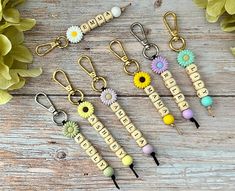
(159, 66)
(186, 59)
(71, 130)
(86, 110)
(109, 98)
(75, 34)
(142, 80)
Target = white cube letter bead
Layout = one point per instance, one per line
(98, 126)
(92, 23)
(179, 98)
(120, 153)
(108, 16)
(149, 89)
(100, 19)
(109, 139)
(130, 128)
(85, 28)
(175, 90)
(202, 92)
(102, 164)
(120, 113)
(141, 142)
(154, 97)
(136, 134)
(198, 85)
(170, 83)
(164, 111)
(79, 138)
(91, 151)
(183, 105)
(195, 76)
(191, 69)
(159, 104)
(115, 106)
(104, 132)
(166, 75)
(116, 11)
(85, 144)
(96, 158)
(125, 120)
(92, 119)
(115, 146)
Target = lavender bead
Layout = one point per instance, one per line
(187, 114)
(147, 149)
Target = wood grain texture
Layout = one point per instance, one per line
(35, 156)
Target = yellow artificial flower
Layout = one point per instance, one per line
(85, 109)
(142, 80)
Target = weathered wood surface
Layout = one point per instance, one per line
(35, 156)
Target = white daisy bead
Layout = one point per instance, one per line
(116, 11)
(74, 34)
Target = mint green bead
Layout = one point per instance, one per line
(108, 171)
(207, 101)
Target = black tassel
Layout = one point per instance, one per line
(114, 181)
(155, 158)
(133, 170)
(194, 121)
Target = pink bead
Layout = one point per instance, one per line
(147, 149)
(187, 114)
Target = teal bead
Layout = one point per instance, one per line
(207, 101)
(108, 172)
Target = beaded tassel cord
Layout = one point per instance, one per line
(86, 110)
(142, 80)
(71, 130)
(159, 66)
(109, 98)
(186, 59)
(75, 34)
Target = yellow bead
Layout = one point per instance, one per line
(85, 28)
(127, 160)
(100, 19)
(169, 119)
(92, 23)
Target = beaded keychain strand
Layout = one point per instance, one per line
(159, 66)
(86, 110)
(109, 98)
(71, 130)
(186, 59)
(142, 80)
(75, 34)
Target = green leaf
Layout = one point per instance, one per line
(14, 35)
(19, 65)
(5, 45)
(28, 73)
(201, 3)
(215, 7)
(13, 3)
(18, 85)
(4, 26)
(0, 11)
(230, 7)
(5, 84)
(228, 24)
(4, 97)
(22, 54)
(11, 15)
(4, 70)
(25, 24)
(233, 51)
(8, 60)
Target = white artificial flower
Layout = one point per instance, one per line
(74, 34)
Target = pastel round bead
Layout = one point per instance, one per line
(127, 160)
(187, 114)
(108, 172)
(207, 101)
(147, 149)
(168, 119)
(116, 11)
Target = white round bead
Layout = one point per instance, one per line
(116, 11)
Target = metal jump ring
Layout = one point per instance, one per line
(96, 80)
(146, 48)
(127, 64)
(73, 93)
(60, 40)
(175, 39)
(64, 117)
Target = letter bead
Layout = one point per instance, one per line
(198, 85)
(170, 83)
(195, 76)
(104, 132)
(92, 23)
(115, 106)
(102, 164)
(141, 142)
(108, 16)
(120, 153)
(85, 144)
(100, 19)
(191, 69)
(85, 28)
(149, 89)
(120, 113)
(183, 105)
(115, 146)
(130, 128)
(98, 126)
(136, 134)
(179, 98)
(164, 111)
(109, 139)
(91, 151)
(159, 104)
(125, 120)
(202, 92)
(175, 90)
(92, 119)
(154, 97)
(96, 158)
(166, 75)
(79, 138)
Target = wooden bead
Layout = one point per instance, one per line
(115, 106)
(92, 119)
(154, 97)
(85, 144)
(195, 76)
(92, 23)
(108, 16)
(183, 105)
(141, 142)
(115, 146)
(164, 111)
(109, 139)
(166, 75)
(104, 132)
(120, 113)
(130, 128)
(202, 92)
(136, 134)
(91, 151)
(100, 19)
(98, 126)
(179, 98)
(102, 164)
(125, 120)
(120, 153)
(96, 158)
(85, 28)
(79, 138)
(149, 89)
(191, 69)
(170, 83)
(198, 85)
(159, 104)
(175, 90)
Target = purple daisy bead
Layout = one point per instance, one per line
(108, 96)
(159, 65)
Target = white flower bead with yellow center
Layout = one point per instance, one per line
(74, 34)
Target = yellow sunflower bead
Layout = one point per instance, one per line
(168, 119)
(142, 80)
